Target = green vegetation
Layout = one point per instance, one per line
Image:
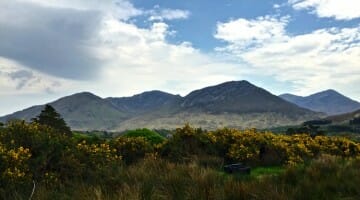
(151, 136)
(188, 165)
(355, 121)
(51, 118)
(263, 171)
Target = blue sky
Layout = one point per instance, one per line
(52, 48)
(204, 15)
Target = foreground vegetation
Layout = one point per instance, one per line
(187, 165)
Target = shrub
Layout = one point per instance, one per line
(185, 143)
(151, 136)
(256, 148)
(132, 148)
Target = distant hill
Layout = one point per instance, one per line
(344, 118)
(330, 102)
(237, 104)
(238, 97)
(144, 102)
(82, 111)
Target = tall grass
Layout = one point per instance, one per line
(327, 177)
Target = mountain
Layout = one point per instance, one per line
(344, 118)
(238, 97)
(81, 111)
(330, 102)
(237, 104)
(144, 102)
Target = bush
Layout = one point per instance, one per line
(132, 148)
(185, 143)
(257, 148)
(151, 136)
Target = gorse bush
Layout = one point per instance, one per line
(132, 148)
(262, 148)
(187, 165)
(14, 163)
(186, 143)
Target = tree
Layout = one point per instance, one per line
(51, 118)
(355, 121)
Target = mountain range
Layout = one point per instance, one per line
(330, 102)
(236, 104)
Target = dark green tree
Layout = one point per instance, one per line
(53, 119)
(355, 121)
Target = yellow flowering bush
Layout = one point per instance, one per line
(185, 144)
(99, 154)
(14, 162)
(257, 147)
(131, 148)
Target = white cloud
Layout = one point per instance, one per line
(17, 79)
(322, 59)
(338, 9)
(249, 33)
(168, 14)
(131, 59)
(122, 9)
(158, 64)
(276, 6)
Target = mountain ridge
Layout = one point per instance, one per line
(328, 101)
(230, 104)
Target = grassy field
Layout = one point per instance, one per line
(325, 178)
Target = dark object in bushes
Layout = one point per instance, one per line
(317, 122)
(355, 121)
(237, 168)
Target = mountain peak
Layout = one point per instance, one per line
(328, 101)
(79, 98)
(331, 91)
(143, 102)
(153, 93)
(241, 83)
(288, 94)
(84, 93)
(328, 92)
(237, 97)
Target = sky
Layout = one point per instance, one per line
(54, 48)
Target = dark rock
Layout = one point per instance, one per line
(237, 168)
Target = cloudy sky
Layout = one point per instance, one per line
(52, 48)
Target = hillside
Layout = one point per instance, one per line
(238, 97)
(330, 102)
(144, 102)
(344, 118)
(237, 104)
(82, 111)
